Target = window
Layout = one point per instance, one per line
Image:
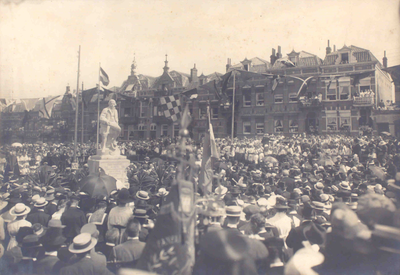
(143, 109)
(141, 127)
(260, 99)
(247, 128)
(246, 67)
(202, 81)
(176, 130)
(127, 112)
(331, 94)
(293, 98)
(247, 100)
(260, 128)
(331, 124)
(345, 123)
(214, 114)
(164, 130)
(344, 92)
(202, 113)
(345, 58)
(278, 99)
(293, 126)
(153, 127)
(365, 88)
(278, 126)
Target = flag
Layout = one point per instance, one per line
(210, 153)
(170, 245)
(303, 86)
(275, 82)
(170, 107)
(104, 77)
(45, 105)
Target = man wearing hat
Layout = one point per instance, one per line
(50, 263)
(39, 216)
(84, 265)
(73, 218)
(52, 206)
(97, 257)
(130, 251)
(142, 217)
(281, 220)
(233, 214)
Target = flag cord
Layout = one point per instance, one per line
(98, 111)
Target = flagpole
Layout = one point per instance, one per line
(82, 116)
(98, 111)
(77, 107)
(233, 105)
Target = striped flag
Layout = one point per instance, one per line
(210, 153)
(104, 77)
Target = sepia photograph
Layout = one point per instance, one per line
(209, 137)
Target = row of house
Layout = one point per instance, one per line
(347, 91)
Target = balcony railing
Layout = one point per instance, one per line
(310, 103)
(363, 101)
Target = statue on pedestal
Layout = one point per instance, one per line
(109, 129)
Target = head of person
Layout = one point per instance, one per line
(91, 229)
(133, 228)
(112, 236)
(112, 103)
(257, 222)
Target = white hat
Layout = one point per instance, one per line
(20, 209)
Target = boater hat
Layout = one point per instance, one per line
(20, 209)
(233, 211)
(142, 195)
(82, 243)
(41, 202)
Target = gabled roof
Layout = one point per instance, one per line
(258, 65)
(360, 55)
(305, 59)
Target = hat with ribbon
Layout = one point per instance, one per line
(142, 195)
(55, 224)
(20, 209)
(82, 243)
(233, 211)
(140, 214)
(40, 202)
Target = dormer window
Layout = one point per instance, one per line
(345, 58)
(246, 67)
(202, 81)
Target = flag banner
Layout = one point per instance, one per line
(210, 154)
(275, 83)
(104, 77)
(45, 105)
(170, 107)
(170, 245)
(304, 85)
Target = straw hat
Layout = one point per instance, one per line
(40, 202)
(142, 195)
(82, 243)
(20, 209)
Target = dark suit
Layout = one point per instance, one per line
(48, 265)
(129, 251)
(51, 208)
(296, 237)
(38, 217)
(73, 218)
(85, 266)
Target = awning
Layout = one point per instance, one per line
(129, 88)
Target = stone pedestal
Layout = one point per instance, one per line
(113, 165)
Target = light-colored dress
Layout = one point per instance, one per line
(13, 228)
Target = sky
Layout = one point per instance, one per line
(39, 40)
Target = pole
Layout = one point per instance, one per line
(233, 106)
(98, 111)
(82, 117)
(77, 107)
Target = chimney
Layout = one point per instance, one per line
(384, 60)
(228, 64)
(193, 74)
(279, 55)
(328, 49)
(68, 89)
(273, 57)
(334, 48)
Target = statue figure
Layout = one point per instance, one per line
(109, 128)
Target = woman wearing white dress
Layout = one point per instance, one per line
(20, 210)
(62, 204)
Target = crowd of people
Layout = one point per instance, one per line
(278, 205)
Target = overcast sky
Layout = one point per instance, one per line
(39, 40)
